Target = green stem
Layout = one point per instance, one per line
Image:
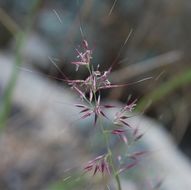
(116, 174)
(20, 39)
(6, 104)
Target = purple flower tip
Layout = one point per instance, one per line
(99, 164)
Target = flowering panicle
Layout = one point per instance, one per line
(89, 91)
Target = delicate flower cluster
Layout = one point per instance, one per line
(99, 164)
(121, 117)
(84, 57)
(96, 110)
(96, 81)
(92, 84)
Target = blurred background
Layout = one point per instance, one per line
(37, 142)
